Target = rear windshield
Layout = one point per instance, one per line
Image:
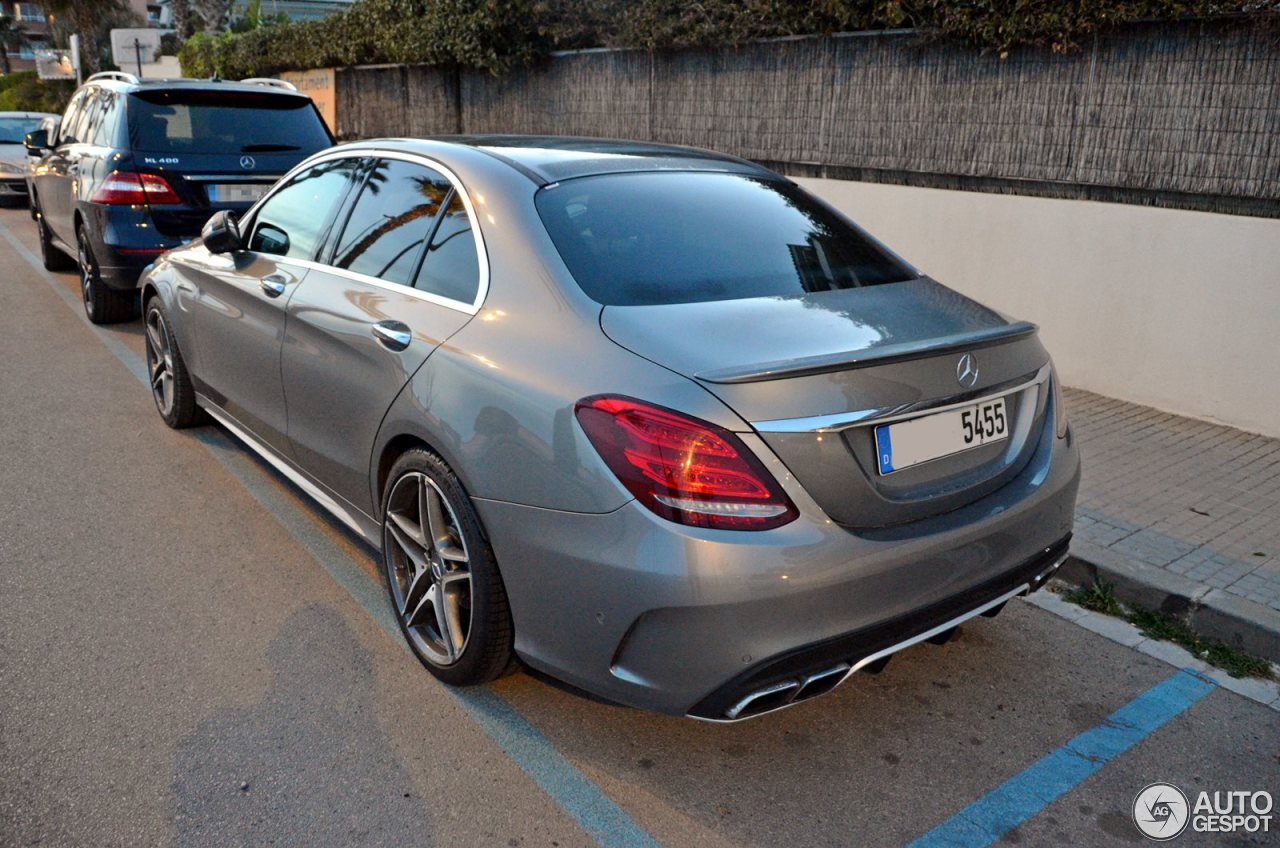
(656, 238)
(224, 122)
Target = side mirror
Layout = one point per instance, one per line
(37, 142)
(221, 233)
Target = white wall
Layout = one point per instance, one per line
(1172, 309)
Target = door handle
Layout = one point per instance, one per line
(392, 334)
(273, 285)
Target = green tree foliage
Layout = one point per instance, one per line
(23, 91)
(494, 36)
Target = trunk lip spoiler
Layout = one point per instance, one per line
(847, 360)
(842, 420)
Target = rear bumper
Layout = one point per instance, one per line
(817, 669)
(121, 268)
(125, 241)
(685, 621)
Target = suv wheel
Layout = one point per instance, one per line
(53, 259)
(170, 383)
(103, 305)
(445, 587)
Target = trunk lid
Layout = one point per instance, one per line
(814, 374)
(208, 183)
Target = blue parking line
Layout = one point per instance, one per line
(1045, 781)
(594, 811)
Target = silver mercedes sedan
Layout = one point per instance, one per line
(651, 420)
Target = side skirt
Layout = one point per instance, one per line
(362, 525)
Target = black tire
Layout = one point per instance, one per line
(53, 259)
(488, 651)
(171, 387)
(103, 304)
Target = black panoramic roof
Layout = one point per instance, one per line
(550, 158)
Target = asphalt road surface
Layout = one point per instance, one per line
(191, 653)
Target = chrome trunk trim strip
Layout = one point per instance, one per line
(883, 415)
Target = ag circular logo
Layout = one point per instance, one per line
(1161, 811)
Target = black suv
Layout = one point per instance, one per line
(137, 167)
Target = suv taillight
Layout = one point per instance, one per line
(688, 471)
(125, 188)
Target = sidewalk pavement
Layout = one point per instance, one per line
(1181, 515)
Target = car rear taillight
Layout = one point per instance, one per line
(689, 471)
(125, 188)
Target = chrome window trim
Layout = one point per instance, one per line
(256, 177)
(837, 421)
(482, 255)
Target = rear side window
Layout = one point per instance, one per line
(101, 129)
(177, 121)
(452, 267)
(391, 221)
(657, 238)
(291, 221)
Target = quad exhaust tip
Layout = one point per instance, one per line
(788, 692)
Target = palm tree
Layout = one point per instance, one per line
(11, 36)
(92, 19)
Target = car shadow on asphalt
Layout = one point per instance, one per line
(308, 765)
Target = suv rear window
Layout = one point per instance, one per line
(169, 121)
(688, 237)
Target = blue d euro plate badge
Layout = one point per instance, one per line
(884, 449)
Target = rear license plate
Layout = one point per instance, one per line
(237, 192)
(929, 437)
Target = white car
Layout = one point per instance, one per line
(15, 163)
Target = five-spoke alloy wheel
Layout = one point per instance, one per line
(443, 580)
(170, 384)
(103, 304)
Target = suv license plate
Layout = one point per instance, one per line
(907, 443)
(237, 192)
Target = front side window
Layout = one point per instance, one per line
(688, 237)
(452, 268)
(291, 221)
(391, 221)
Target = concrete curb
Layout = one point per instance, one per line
(1241, 623)
(1265, 692)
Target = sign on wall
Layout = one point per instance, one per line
(55, 64)
(132, 49)
(319, 85)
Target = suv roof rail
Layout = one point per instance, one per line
(123, 76)
(272, 82)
